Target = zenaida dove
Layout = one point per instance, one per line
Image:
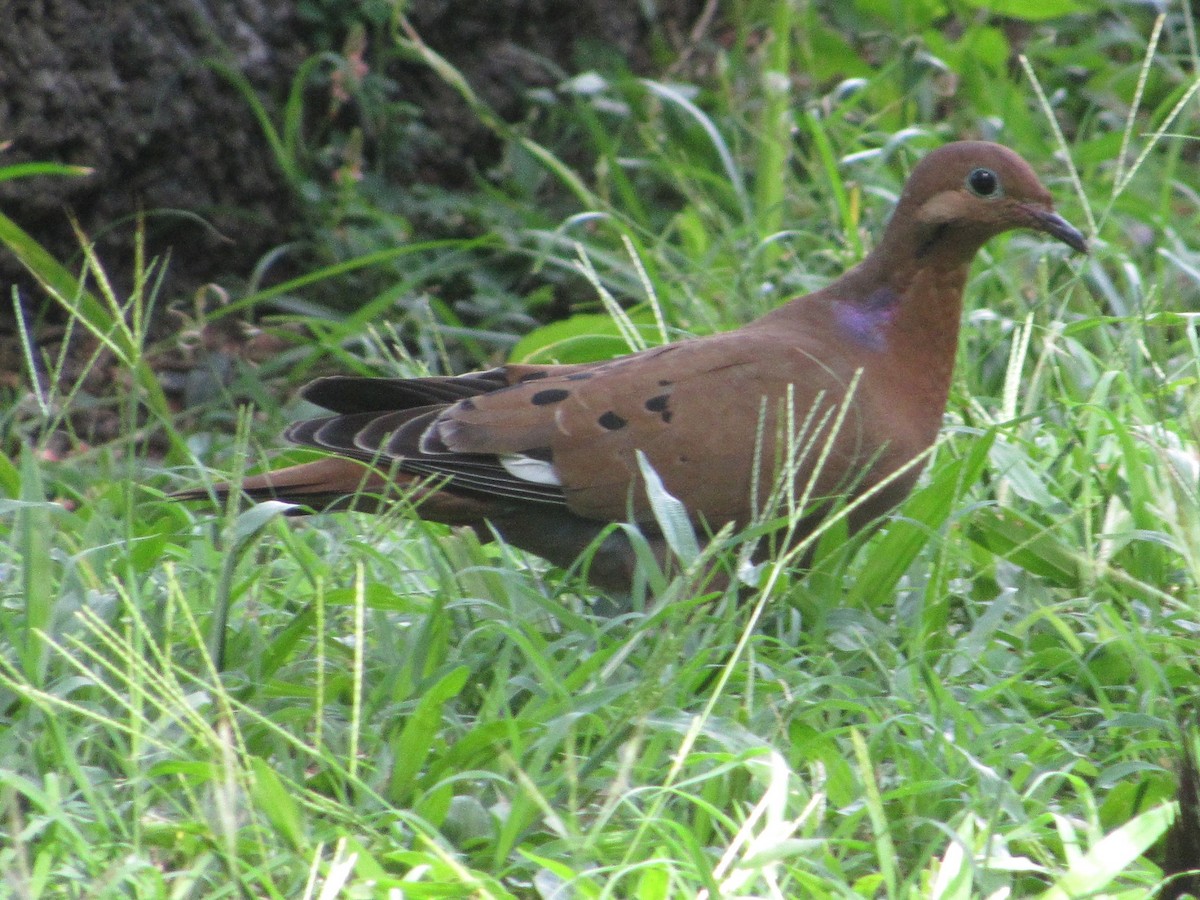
(545, 454)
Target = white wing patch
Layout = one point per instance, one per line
(529, 469)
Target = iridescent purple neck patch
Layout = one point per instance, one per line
(866, 321)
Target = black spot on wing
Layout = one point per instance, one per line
(658, 404)
(532, 376)
(549, 396)
(611, 421)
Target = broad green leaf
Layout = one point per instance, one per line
(909, 530)
(34, 534)
(1031, 10)
(583, 338)
(1095, 869)
(670, 513)
(256, 518)
(1020, 540)
(423, 726)
(1012, 463)
(10, 478)
(276, 802)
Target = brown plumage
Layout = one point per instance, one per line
(547, 454)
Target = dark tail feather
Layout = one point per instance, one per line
(337, 483)
(333, 483)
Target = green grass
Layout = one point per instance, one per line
(982, 699)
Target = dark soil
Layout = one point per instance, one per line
(132, 90)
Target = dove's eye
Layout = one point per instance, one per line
(983, 183)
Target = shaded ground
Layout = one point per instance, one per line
(134, 90)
